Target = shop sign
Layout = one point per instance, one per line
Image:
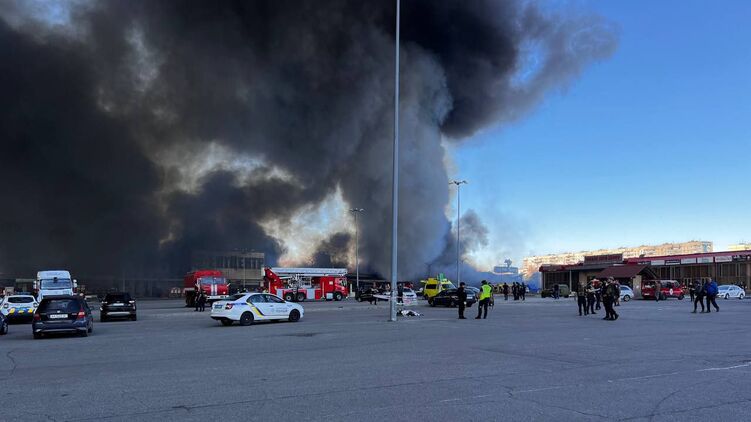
(658, 262)
(704, 260)
(726, 258)
(672, 261)
(688, 261)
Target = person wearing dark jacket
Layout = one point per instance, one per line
(609, 295)
(598, 294)
(658, 290)
(711, 292)
(505, 291)
(698, 293)
(581, 298)
(202, 302)
(523, 290)
(591, 298)
(461, 294)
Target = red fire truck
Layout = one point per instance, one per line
(299, 284)
(212, 282)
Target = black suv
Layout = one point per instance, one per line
(62, 314)
(449, 297)
(118, 305)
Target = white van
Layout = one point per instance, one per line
(54, 283)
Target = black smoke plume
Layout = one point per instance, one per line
(133, 132)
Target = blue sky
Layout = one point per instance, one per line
(652, 145)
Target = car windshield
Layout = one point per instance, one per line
(56, 283)
(120, 297)
(62, 305)
(20, 299)
(213, 281)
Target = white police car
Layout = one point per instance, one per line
(19, 307)
(247, 308)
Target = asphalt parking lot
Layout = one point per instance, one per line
(534, 360)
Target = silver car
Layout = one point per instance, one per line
(727, 291)
(626, 293)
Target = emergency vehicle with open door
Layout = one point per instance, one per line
(300, 284)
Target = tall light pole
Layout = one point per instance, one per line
(395, 186)
(356, 211)
(458, 184)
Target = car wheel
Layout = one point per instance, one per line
(84, 333)
(681, 297)
(740, 296)
(289, 297)
(431, 302)
(91, 328)
(300, 297)
(37, 336)
(103, 318)
(450, 304)
(727, 296)
(227, 322)
(294, 316)
(134, 318)
(246, 319)
(626, 298)
(337, 296)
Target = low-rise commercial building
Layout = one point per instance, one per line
(730, 267)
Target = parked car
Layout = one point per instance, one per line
(626, 293)
(434, 286)
(726, 291)
(246, 308)
(117, 305)
(62, 314)
(409, 296)
(18, 307)
(563, 291)
(449, 297)
(3, 325)
(668, 288)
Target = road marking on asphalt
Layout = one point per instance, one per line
(745, 365)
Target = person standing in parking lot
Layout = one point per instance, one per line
(658, 290)
(461, 295)
(591, 297)
(202, 302)
(485, 292)
(612, 291)
(556, 291)
(523, 290)
(712, 295)
(697, 292)
(598, 293)
(505, 291)
(581, 298)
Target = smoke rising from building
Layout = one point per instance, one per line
(113, 113)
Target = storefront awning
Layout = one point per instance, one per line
(627, 271)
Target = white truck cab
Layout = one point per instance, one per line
(54, 283)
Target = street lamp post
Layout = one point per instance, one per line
(356, 211)
(458, 184)
(395, 181)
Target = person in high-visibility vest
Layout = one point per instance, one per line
(485, 292)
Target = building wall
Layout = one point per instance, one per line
(240, 268)
(533, 263)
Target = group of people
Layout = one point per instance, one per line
(201, 300)
(705, 290)
(518, 290)
(486, 294)
(591, 293)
